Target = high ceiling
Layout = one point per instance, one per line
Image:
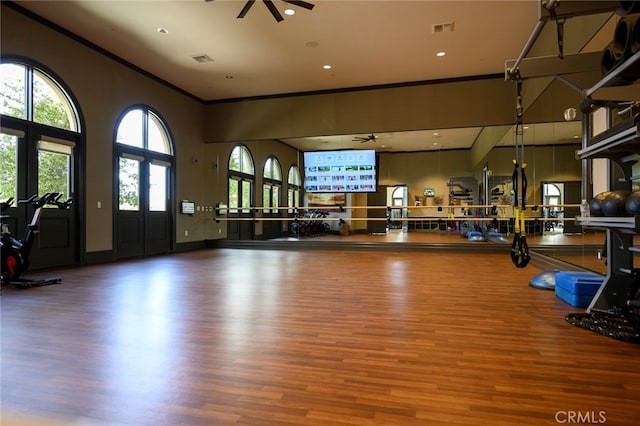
(366, 43)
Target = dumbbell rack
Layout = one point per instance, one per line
(620, 144)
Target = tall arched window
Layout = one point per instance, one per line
(294, 188)
(271, 185)
(241, 177)
(40, 144)
(144, 164)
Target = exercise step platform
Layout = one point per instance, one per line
(577, 288)
(625, 327)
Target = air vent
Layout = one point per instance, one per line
(446, 27)
(202, 58)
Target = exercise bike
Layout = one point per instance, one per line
(15, 253)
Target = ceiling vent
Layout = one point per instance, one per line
(202, 58)
(446, 27)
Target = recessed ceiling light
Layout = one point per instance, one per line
(441, 54)
(326, 67)
(163, 30)
(289, 12)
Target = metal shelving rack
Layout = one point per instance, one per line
(620, 144)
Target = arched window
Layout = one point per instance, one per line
(31, 94)
(294, 189)
(241, 177)
(271, 185)
(144, 161)
(40, 140)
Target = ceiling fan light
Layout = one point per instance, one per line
(289, 12)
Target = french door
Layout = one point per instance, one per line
(144, 220)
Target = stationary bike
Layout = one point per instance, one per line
(15, 253)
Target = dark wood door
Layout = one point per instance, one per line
(378, 224)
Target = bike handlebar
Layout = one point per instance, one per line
(50, 198)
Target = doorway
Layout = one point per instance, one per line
(397, 198)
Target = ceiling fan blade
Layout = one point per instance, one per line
(274, 11)
(300, 3)
(246, 8)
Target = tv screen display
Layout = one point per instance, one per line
(340, 171)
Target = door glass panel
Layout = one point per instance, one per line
(266, 192)
(157, 188)
(290, 200)
(13, 89)
(130, 130)
(129, 184)
(54, 168)
(233, 196)
(8, 167)
(274, 199)
(246, 196)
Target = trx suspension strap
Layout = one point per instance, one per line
(519, 248)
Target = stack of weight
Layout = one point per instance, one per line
(615, 204)
(626, 42)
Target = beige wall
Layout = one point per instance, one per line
(429, 106)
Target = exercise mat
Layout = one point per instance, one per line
(625, 327)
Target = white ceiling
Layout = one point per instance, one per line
(366, 42)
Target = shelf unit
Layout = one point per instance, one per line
(620, 144)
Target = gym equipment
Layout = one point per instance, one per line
(633, 203)
(545, 280)
(475, 236)
(312, 224)
(595, 205)
(577, 288)
(519, 249)
(615, 203)
(15, 253)
(617, 325)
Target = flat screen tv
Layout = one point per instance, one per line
(340, 171)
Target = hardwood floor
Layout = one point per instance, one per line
(307, 337)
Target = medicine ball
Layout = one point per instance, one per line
(615, 203)
(633, 203)
(595, 205)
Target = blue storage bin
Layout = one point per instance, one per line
(577, 288)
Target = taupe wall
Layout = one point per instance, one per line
(428, 106)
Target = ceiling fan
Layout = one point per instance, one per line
(364, 139)
(272, 7)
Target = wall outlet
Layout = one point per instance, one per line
(186, 233)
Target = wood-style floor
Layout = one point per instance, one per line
(307, 337)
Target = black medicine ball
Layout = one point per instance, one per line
(615, 203)
(595, 205)
(633, 203)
